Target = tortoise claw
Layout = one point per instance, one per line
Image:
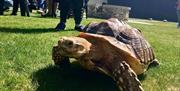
(126, 78)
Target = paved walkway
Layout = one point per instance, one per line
(142, 21)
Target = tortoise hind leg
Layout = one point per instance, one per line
(126, 78)
(59, 60)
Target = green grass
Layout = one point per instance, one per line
(26, 64)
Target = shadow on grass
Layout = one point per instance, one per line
(46, 17)
(30, 30)
(73, 79)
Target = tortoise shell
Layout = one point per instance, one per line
(126, 34)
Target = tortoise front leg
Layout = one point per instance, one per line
(126, 78)
(58, 59)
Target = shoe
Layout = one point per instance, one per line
(79, 28)
(14, 14)
(48, 15)
(1, 13)
(60, 26)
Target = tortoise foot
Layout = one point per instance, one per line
(126, 78)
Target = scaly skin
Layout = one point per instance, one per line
(125, 78)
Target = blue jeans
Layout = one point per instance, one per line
(40, 4)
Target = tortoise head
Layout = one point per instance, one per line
(73, 47)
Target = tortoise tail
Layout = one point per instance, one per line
(126, 78)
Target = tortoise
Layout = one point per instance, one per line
(126, 34)
(122, 56)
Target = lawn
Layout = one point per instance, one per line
(26, 64)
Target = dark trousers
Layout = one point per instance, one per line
(1, 6)
(178, 18)
(23, 7)
(77, 7)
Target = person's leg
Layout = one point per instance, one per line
(1, 6)
(23, 7)
(49, 3)
(39, 2)
(54, 8)
(49, 8)
(78, 13)
(30, 5)
(64, 8)
(27, 7)
(178, 17)
(15, 7)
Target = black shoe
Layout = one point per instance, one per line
(46, 15)
(79, 28)
(60, 26)
(1, 13)
(49, 15)
(14, 14)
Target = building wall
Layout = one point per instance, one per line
(156, 9)
(97, 1)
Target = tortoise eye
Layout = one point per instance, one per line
(69, 43)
